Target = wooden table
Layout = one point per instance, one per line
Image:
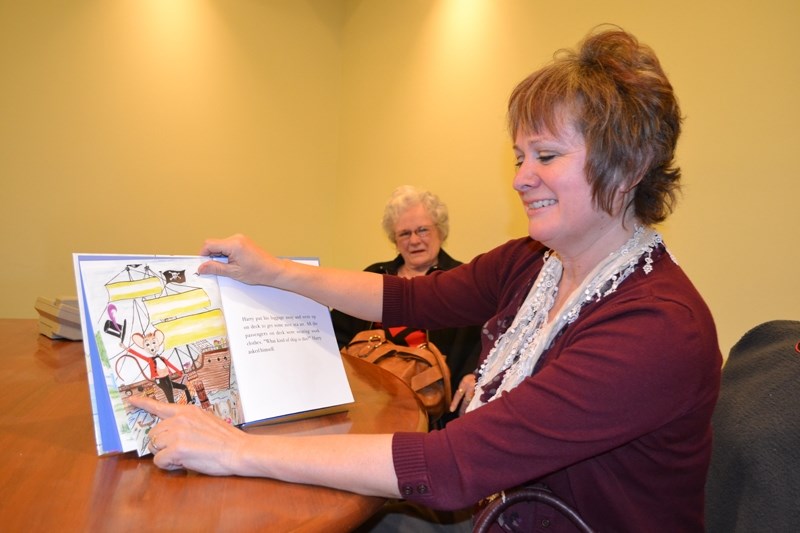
(52, 480)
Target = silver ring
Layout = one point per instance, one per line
(156, 447)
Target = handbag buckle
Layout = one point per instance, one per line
(371, 344)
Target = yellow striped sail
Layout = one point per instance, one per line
(192, 328)
(176, 305)
(126, 290)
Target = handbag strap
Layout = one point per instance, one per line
(387, 349)
(489, 514)
(444, 370)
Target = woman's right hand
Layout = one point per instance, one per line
(246, 262)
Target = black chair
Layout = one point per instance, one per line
(489, 515)
(753, 481)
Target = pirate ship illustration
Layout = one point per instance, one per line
(165, 338)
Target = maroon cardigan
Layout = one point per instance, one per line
(615, 419)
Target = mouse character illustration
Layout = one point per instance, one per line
(152, 344)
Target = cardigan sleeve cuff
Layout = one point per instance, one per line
(392, 297)
(413, 480)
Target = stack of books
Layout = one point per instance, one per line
(59, 318)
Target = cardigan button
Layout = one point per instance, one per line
(408, 490)
(422, 488)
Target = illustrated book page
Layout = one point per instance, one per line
(152, 326)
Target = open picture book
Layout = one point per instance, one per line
(249, 354)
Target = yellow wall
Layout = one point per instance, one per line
(146, 126)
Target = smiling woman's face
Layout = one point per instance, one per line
(418, 239)
(552, 184)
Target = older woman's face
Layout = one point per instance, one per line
(418, 239)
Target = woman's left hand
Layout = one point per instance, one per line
(188, 437)
(464, 394)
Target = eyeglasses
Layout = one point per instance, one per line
(423, 232)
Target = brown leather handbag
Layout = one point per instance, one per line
(422, 368)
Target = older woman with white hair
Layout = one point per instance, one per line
(417, 223)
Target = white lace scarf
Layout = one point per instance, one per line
(518, 349)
